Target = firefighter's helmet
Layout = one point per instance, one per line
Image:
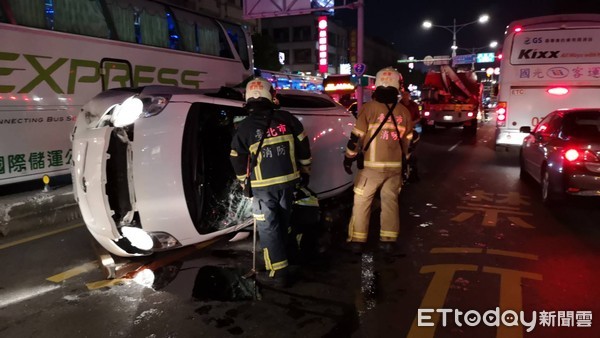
(259, 88)
(388, 77)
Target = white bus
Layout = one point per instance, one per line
(548, 63)
(56, 55)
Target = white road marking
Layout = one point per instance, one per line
(454, 146)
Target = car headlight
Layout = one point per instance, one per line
(135, 107)
(127, 112)
(138, 237)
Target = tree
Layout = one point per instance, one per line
(266, 54)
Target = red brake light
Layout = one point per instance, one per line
(558, 91)
(571, 155)
(499, 56)
(426, 114)
(518, 29)
(470, 114)
(501, 109)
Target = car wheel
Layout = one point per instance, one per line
(549, 196)
(522, 172)
(472, 128)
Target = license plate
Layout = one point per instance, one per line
(447, 117)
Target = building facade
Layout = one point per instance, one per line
(297, 38)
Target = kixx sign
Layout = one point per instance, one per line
(86, 71)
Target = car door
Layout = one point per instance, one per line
(534, 146)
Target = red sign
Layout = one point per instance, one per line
(322, 26)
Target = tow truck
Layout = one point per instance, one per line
(451, 98)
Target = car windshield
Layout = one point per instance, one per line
(585, 124)
(304, 101)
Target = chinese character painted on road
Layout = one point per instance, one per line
(2, 169)
(507, 205)
(16, 163)
(55, 158)
(36, 160)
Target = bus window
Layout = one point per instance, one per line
(153, 25)
(124, 19)
(211, 40)
(68, 14)
(30, 13)
(188, 38)
(174, 38)
(236, 34)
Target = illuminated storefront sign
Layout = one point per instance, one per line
(322, 25)
(338, 86)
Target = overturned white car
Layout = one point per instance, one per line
(152, 171)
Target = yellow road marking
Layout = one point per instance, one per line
(459, 250)
(512, 254)
(511, 296)
(105, 283)
(33, 238)
(435, 296)
(152, 266)
(73, 272)
(455, 250)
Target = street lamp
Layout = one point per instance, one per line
(454, 28)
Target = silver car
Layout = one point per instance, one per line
(562, 153)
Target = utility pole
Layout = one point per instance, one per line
(360, 47)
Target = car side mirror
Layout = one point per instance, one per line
(526, 130)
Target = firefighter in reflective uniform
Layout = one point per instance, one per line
(283, 162)
(382, 161)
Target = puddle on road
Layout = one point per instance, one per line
(223, 284)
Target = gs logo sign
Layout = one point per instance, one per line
(529, 41)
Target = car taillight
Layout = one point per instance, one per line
(558, 91)
(501, 111)
(571, 155)
(426, 114)
(575, 155)
(518, 29)
(470, 114)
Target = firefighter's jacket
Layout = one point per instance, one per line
(285, 151)
(385, 152)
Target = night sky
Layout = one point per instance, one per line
(399, 21)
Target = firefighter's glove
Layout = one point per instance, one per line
(304, 179)
(348, 164)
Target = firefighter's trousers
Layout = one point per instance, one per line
(272, 210)
(366, 185)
